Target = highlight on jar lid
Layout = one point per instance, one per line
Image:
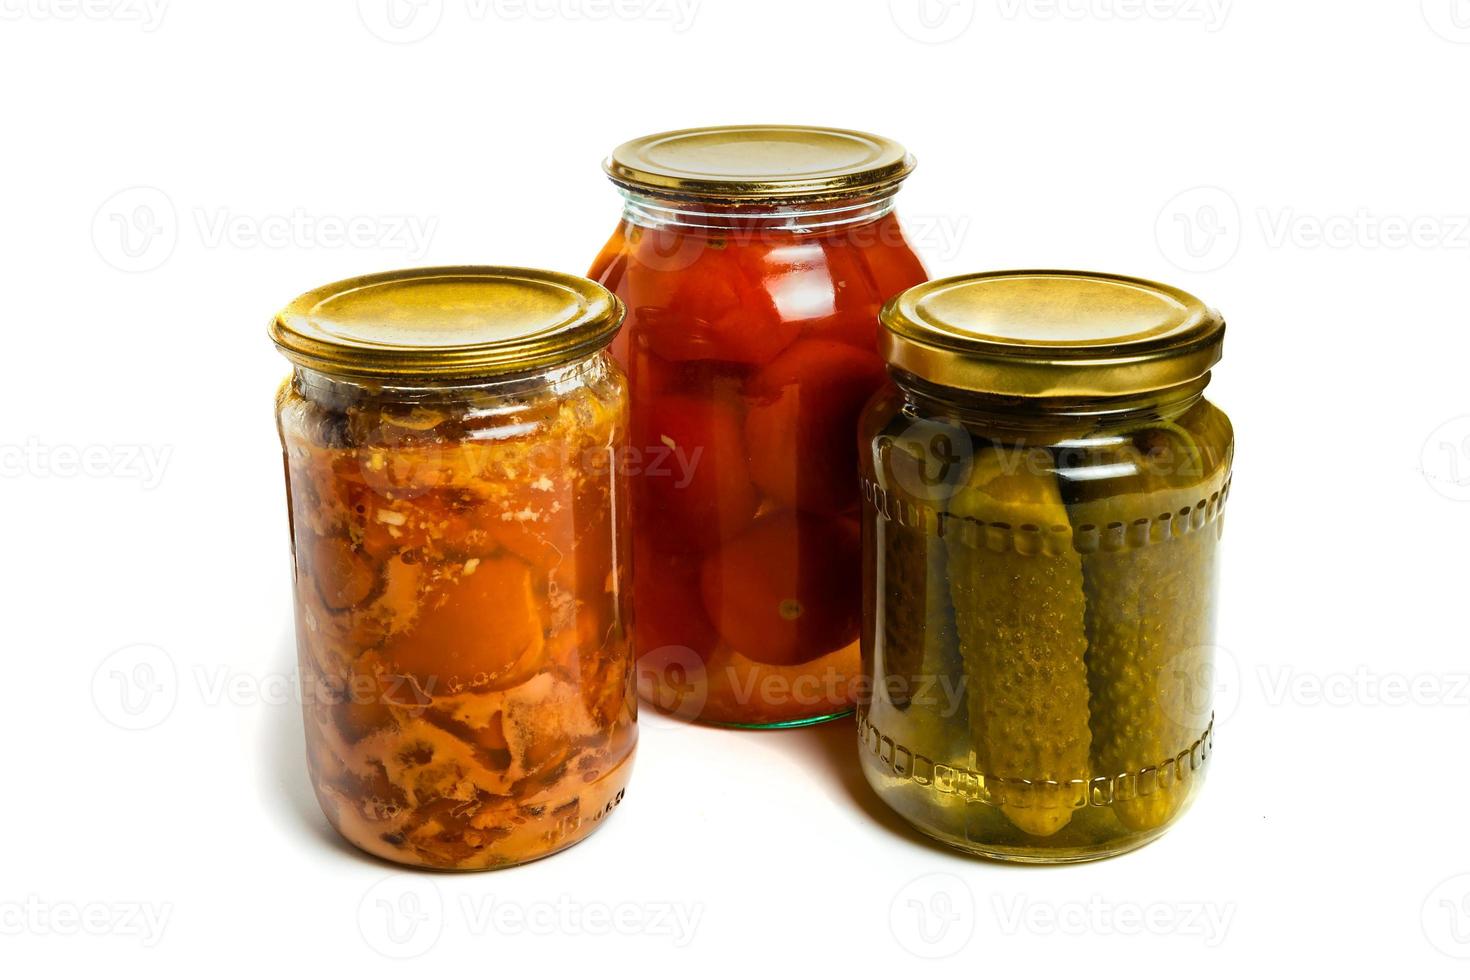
(449, 322)
(1051, 334)
(760, 163)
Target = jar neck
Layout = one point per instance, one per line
(788, 217)
(335, 391)
(1027, 419)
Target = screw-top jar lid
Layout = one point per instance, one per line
(760, 163)
(450, 322)
(1049, 333)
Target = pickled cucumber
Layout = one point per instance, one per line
(1148, 574)
(1017, 587)
(918, 647)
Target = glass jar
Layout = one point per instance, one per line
(1043, 500)
(753, 262)
(450, 440)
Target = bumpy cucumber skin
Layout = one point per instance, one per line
(1148, 617)
(911, 647)
(917, 616)
(1150, 620)
(1020, 619)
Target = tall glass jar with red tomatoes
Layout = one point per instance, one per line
(753, 261)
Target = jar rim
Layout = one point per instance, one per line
(447, 322)
(760, 163)
(1051, 333)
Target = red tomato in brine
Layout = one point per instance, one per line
(783, 592)
(695, 487)
(715, 309)
(800, 428)
(668, 610)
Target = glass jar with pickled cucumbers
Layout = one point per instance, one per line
(1043, 498)
(753, 261)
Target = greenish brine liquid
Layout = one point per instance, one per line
(1040, 628)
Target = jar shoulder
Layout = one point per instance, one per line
(801, 275)
(330, 414)
(1146, 463)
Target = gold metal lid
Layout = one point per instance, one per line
(1042, 333)
(759, 163)
(449, 322)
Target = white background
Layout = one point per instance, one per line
(173, 174)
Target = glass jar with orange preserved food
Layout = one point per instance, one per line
(753, 261)
(451, 440)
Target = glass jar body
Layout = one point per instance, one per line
(750, 346)
(1039, 624)
(461, 610)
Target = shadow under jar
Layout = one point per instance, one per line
(450, 439)
(1043, 500)
(753, 262)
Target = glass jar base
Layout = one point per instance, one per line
(1026, 855)
(596, 804)
(794, 723)
(652, 704)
